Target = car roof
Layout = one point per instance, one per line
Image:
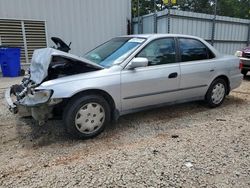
(151, 36)
(155, 36)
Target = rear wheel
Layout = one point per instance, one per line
(216, 93)
(86, 116)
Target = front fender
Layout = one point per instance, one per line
(109, 84)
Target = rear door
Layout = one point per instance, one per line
(155, 84)
(197, 67)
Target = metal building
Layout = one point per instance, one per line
(30, 24)
(227, 34)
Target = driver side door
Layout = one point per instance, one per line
(156, 83)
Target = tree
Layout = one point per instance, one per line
(145, 6)
(233, 8)
(202, 6)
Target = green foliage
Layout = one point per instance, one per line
(233, 8)
(145, 6)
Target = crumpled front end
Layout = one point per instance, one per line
(26, 100)
(46, 64)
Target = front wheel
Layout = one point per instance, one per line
(86, 116)
(216, 93)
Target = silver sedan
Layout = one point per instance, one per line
(124, 75)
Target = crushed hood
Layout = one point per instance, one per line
(41, 59)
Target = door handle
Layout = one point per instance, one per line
(173, 75)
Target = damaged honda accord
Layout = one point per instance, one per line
(124, 75)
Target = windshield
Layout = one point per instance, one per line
(114, 51)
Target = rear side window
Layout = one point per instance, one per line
(192, 50)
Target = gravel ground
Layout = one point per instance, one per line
(185, 145)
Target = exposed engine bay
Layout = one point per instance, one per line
(62, 66)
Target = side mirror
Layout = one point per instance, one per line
(138, 62)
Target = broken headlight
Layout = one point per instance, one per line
(36, 97)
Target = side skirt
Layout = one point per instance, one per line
(161, 105)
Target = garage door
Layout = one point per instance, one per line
(26, 34)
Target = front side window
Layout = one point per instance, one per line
(192, 50)
(160, 51)
(114, 51)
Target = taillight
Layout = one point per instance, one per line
(241, 65)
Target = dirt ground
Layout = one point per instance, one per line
(186, 145)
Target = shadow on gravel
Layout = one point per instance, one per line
(178, 111)
(32, 135)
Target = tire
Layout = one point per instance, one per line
(86, 116)
(244, 72)
(216, 93)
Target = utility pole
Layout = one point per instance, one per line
(138, 11)
(155, 17)
(214, 22)
(138, 16)
(154, 6)
(169, 4)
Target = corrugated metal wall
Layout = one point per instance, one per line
(230, 34)
(85, 23)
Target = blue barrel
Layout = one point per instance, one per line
(10, 61)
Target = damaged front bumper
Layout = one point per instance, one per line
(39, 105)
(12, 107)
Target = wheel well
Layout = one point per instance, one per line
(102, 93)
(227, 82)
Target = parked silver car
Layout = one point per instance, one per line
(124, 75)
